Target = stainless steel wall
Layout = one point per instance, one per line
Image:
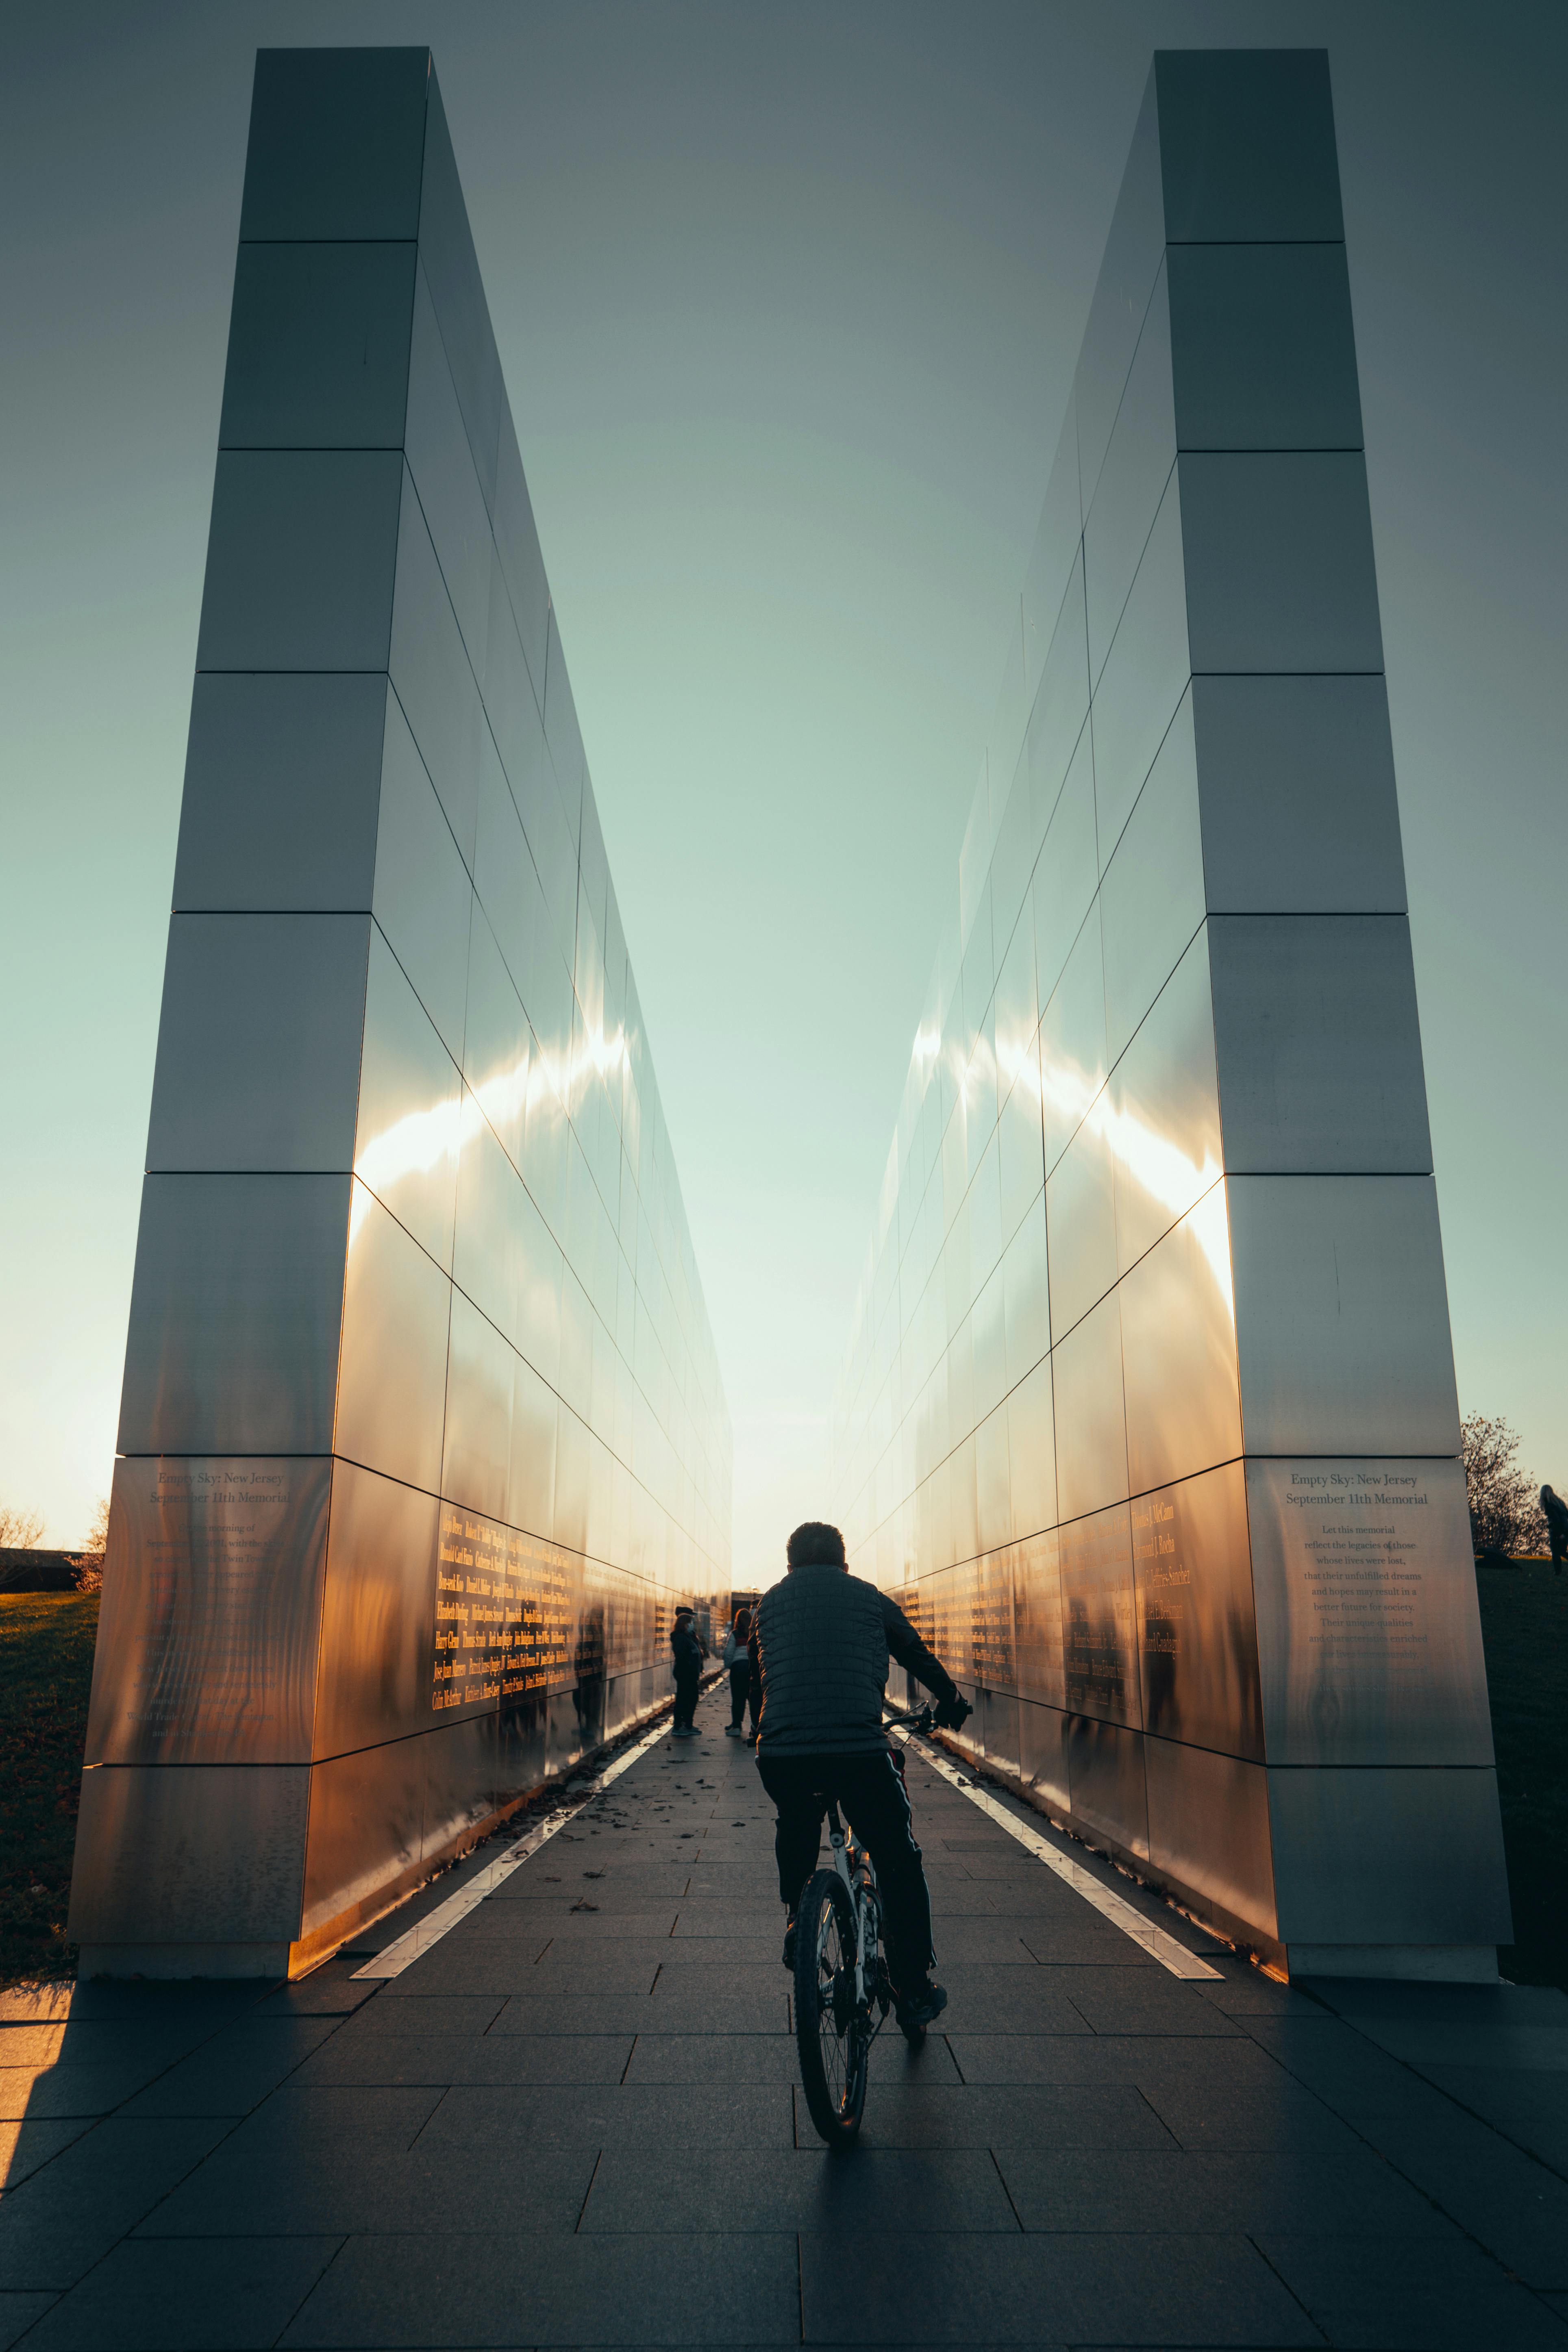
(1149, 1405)
(422, 1431)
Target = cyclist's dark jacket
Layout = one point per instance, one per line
(819, 1663)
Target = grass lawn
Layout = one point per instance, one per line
(45, 1673)
(1524, 1624)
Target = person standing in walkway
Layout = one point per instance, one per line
(687, 1653)
(737, 1658)
(1556, 1511)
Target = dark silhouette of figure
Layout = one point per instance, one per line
(738, 1653)
(687, 1653)
(589, 1667)
(1556, 1511)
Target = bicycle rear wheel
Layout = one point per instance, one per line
(830, 2033)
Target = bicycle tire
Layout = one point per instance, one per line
(831, 2039)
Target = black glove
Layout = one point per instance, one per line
(953, 1714)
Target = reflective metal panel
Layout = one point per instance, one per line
(1056, 551)
(410, 1105)
(432, 678)
(1072, 1041)
(1138, 462)
(367, 1810)
(461, 1762)
(1037, 1633)
(1099, 1629)
(1373, 1857)
(1145, 673)
(377, 1619)
(234, 1313)
(1246, 145)
(300, 558)
(212, 1597)
(1043, 1754)
(1208, 1828)
(442, 466)
(1341, 1315)
(1297, 1002)
(1369, 1631)
(1032, 1452)
(1081, 1218)
(1062, 705)
(318, 347)
(1178, 1350)
(446, 251)
(1027, 1294)
(395, 1308)
(477, 1457)
(206, 1854)
(1279, 562)
(517, 546)
(1105, 1780)
(423, 895)
(485, 1253)
(337, 139)
(1197, 1640)
(993, 1503)
(1151, 900)
(1286, 764)
(1091, 1428)
(530, 1483)
(1132, 253)
(282, 780)
(258, 1042)
(1069, 869)
(1263, 351)
(1161, 1111)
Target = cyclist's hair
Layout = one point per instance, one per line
(816, 1544)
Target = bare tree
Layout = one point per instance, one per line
(1506, 1517)
(19, 1530)
(88, 1565)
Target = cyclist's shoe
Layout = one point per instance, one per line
(921, 2003)
(733, 1732)
(789, 1940)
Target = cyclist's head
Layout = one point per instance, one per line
(815, 1546)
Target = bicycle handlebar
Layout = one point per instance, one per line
(921, 1719)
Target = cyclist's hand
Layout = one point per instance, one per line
(953, 1714)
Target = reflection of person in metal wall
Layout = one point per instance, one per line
(1556, 1511)
(687, 1653)
(588, 1666)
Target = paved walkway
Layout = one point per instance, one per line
(574, 2121)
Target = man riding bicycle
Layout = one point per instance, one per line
(822, 1640)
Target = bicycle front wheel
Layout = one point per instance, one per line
(831, 2033)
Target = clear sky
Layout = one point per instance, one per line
(788, 299)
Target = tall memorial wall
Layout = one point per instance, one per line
(1149, 1413)
(422, 1431)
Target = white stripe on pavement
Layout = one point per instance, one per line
(446, 1916)
(1154, 1940)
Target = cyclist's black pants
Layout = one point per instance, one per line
(870, 1791)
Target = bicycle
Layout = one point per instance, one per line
(840, 1975)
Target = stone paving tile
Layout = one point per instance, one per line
(647, 2115)
(428, 2013)
(447, 2058)
(1266, 2118)
(760, 2058)
(381, 2117)
(58, 2224)
(203, 2297)
(28, 2145)
(1412, 2295)
(18, 2313)
(1505, 2200)
(1171, 2063)
(945, 2114)
(39, 2092)
(1531, 2110)
(229, 2075)
(314, 2186)
(1143, 2289)
(757, 2190)
(1349, 2193)
(683, 2287)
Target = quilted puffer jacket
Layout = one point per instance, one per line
(820, 1654)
